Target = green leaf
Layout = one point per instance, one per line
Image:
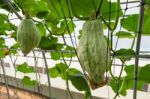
(53, 72)
(15, 46)
(127, 23)
(55, 55)
(106, 9)
(41, 29)
(82, 8)
(72, 71)
(5, 26)
(119, 86)
(124, 54)
(123, 34)
(147, 6)
(144, 73)
(36, 8)
(51, 22)
(41, 9)
(59, 70)
(24, 68)
(131, 23)
(62, 69)
(123, 89)
(58, 8)
(129, 69)
(126, 82)
(130, 83)
(3, 17)
(48, 43)
(4, 6)
(28, 82)
(73, 77)
(111, 25)
(115, 85)
(71, 53)
(63, 27)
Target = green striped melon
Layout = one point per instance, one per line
(93, 52)
(28, 36)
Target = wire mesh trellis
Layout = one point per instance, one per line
(74, 34)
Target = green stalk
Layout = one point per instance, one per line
(116, 23)
(133, 42)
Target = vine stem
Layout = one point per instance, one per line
(116, 23)
(140, 26)
(132, 46)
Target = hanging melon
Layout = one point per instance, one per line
(28, 36)
(93, 52)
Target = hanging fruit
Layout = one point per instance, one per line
(93, 52)
(28, 36)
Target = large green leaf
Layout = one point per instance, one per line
(131, 23)
(85, 8)
(82, 8)
(58, 8)
(33, 7)
(73, 75)
(79, 82)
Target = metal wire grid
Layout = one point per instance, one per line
(70, 36)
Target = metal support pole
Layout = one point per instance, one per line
(48, 77)
(5, 78)
(141, 19)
